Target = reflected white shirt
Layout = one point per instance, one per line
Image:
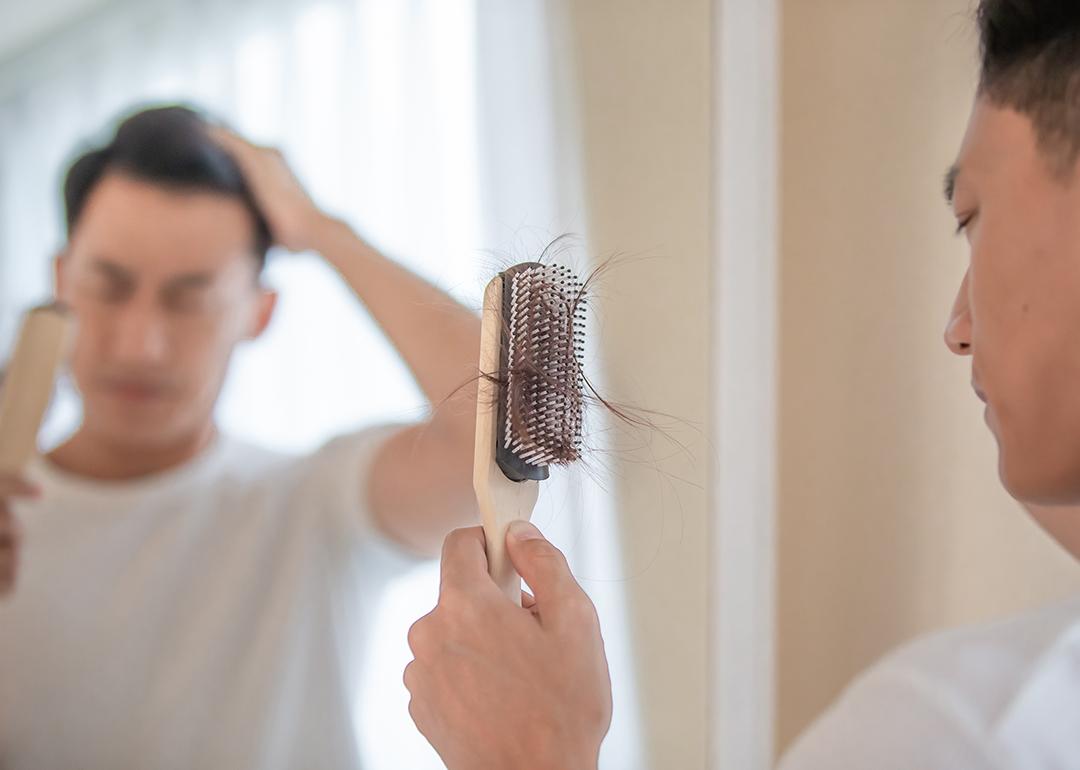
(212, 616)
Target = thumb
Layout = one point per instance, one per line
(541, 564)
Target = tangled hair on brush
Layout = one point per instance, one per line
(545, 390)
(1030, 51)
(167, 146)
(543, 339)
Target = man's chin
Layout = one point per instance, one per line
(134, 433)
(1031, 487)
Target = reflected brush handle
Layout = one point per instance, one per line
(28, 383)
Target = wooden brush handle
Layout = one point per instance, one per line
(509, 501)
(28, 384)
(501, 500)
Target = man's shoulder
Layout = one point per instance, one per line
(988, 665)
(989, 679)
(981, 696)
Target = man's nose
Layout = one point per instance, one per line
(958, 331)
(139, 335)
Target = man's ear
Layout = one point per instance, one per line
(264, 312)
(59, 267)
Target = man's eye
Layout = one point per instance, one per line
(186, 302)
(112, 293)
(963, 224)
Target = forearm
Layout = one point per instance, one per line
(436, 336)
(439, 340)
(420, 485)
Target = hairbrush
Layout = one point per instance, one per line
(28, 383)
(530, 399)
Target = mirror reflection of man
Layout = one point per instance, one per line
(1003, 695)
(171, 596)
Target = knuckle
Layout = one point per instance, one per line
(12, 484)
(408, 677)
(460, 609)
(598, 713)
(579, 612)
(416, 713)
(453, 602)
(454, 540)
(418, 635)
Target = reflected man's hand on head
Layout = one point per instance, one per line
(290, 213)
(496, 685)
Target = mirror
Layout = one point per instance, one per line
(804, 483)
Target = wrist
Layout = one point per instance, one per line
(567, 760)
(320, 229)
(560, 755)
(336, 241)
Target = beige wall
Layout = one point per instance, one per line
(642, 73)
(892, 520)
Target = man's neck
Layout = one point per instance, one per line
(95, 457)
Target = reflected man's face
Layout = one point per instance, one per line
(163, 285)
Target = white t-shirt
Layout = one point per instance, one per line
(1004, 695)
(212, 616)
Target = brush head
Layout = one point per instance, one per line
(541, 398)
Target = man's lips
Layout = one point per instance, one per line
(979, 392)
(137, 390)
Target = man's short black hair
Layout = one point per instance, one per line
(1031, 63)
(167, 146)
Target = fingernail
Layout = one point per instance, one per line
(524, 530)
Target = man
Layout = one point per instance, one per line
(1005, 695)
(173, 597)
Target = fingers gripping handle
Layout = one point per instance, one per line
(509, 502)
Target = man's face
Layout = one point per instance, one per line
(1018, 309)
(163, 285)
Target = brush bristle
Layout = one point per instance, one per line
(545, 385)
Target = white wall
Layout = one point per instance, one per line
(26, 22)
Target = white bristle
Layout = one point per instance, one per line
(545, 382)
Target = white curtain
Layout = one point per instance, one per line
(436, 127)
